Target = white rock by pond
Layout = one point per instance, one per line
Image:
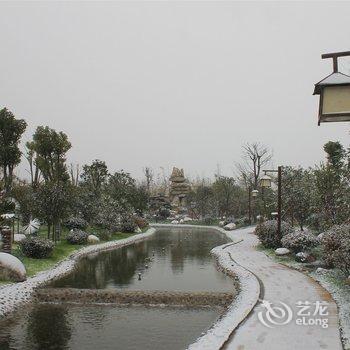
(18, 237)
(321, 271)
(187, 219)
(12, 268)
(174, 222)
(93, 239)
(221, 223)
(138, 230)
(282, 251)
(229, 227)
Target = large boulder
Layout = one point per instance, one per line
(12, 268)
(92, 239)
(18, 237)
(229, 227)
(282, 251)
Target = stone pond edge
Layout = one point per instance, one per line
(242, 305)
(15, 295)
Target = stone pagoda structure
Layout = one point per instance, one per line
(179, 188)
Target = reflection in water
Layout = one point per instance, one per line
(56, 327)
(48, 328)
(178, 260)
(170, 260)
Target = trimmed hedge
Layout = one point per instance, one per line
(76, 223)
(336, 247)
(77, 237)
(299, 241)
(128, 224)
(37, 248)
(267, 233)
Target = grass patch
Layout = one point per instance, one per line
(287, 260)
(61, 251)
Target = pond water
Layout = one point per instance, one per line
(176, 259)
(172, 260)
(105, 327)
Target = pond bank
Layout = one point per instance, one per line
(14, 295)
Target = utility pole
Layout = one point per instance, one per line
(279, 204)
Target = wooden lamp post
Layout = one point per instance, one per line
(265, 182)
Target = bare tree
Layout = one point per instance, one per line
(148, 178)
(74, 174)
(34, 170)
(255, 156)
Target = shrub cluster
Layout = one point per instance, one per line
(37, 248)
(336, 247)
(104, 235)
(242, 221)
(77, 237)
(208, 220)
(299, 241)
(76, 223)
(128, 224)
(267, 233)
(141, 222)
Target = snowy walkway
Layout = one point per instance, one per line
(280, 283)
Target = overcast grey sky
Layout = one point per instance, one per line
(173, 83)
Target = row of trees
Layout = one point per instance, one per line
(318, 197)
(56, 192)
(229, 195)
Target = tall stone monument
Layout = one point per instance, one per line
(179, 188)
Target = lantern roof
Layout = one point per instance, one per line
(336, 78)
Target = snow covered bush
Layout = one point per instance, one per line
(128, 224)
(141, 222)
(336, 247)
(75, 222)
(208, 220)
(77, 237)
(299, 241)
(37, 248)
(109, 214)
(267, 233)
(242, 221)
(104, 235)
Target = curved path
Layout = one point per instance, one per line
(280, 283)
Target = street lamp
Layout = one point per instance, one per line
(251, 194)
(334, 91)
(265, 181)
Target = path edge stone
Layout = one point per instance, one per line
(219, 333)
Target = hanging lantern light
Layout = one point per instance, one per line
(334, 91)
(255, 193)
(265, 181)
